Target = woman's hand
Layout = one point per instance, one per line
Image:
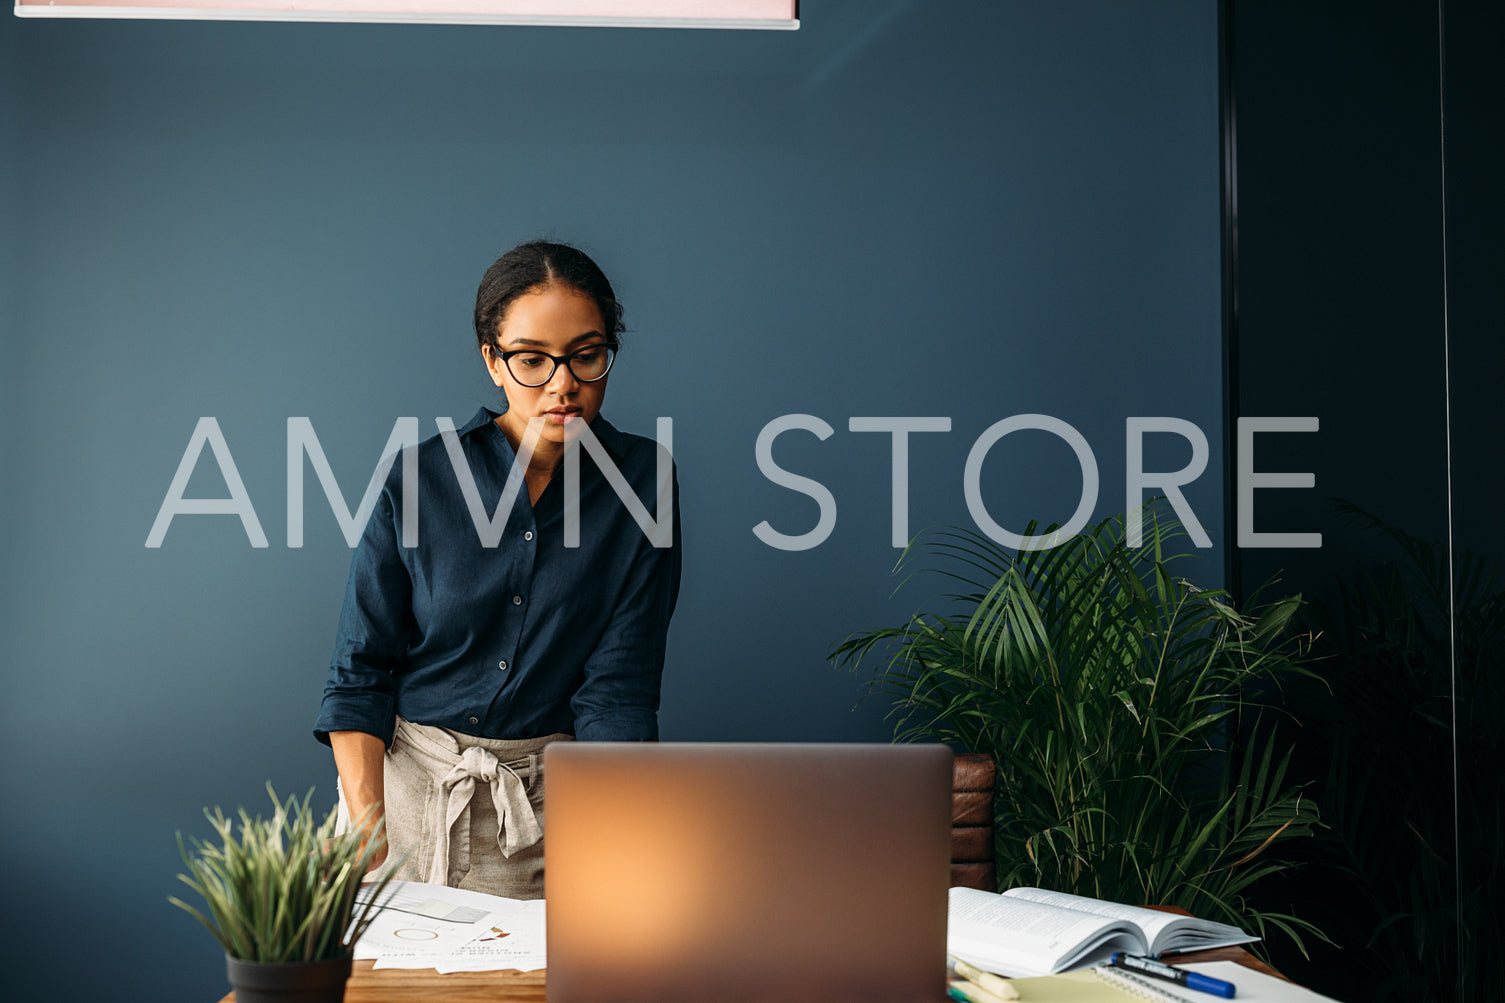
(360, 760)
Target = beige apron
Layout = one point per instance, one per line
(466, 811)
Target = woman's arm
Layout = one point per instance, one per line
(374, 632)
(619, 697)
(359, 759)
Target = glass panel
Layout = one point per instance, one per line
(1358, 307)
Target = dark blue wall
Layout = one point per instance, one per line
(960, 210)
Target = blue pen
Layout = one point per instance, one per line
(1160, 970)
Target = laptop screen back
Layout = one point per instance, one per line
(741, 872)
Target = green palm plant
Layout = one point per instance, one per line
(286, 889)
(1135, 763)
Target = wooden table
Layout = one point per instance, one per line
(424, 985)
(400, 985)
(1235, 954)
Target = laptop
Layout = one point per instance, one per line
(746, 872)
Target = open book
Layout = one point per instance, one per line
(1031, 931)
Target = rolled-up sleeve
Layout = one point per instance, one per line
(374, 631)
(619, 697)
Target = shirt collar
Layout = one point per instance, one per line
(614, 441)
(482, 417)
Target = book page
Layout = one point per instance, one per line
(1018, 937)
(1148, 920)
(1162, 931)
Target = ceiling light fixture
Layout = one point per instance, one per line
(778, 14)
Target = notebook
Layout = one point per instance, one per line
(1111, 985)
(746, 872)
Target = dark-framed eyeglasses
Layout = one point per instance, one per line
(533, 368)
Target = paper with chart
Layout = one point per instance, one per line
(451, 929)
(514, 939)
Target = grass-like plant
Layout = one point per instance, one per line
(285, 890)
(1117, 699)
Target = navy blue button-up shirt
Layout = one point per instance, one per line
(519, 640)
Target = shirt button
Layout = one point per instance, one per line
(528, 535)
(517, 600)
(475, 720)
(502, 666)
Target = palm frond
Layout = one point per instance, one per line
(1109, 690)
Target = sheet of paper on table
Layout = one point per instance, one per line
(453, 930)
(1255, 987)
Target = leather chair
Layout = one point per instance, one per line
(972, 779)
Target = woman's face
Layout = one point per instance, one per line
(552, 319)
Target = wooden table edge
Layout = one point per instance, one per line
(370, 985)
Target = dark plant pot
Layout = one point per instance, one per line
(288, 982)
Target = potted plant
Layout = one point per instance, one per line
(1136, 759)
(282, 899)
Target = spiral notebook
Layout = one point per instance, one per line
(1138, 985)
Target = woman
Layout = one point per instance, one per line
(463, 653)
